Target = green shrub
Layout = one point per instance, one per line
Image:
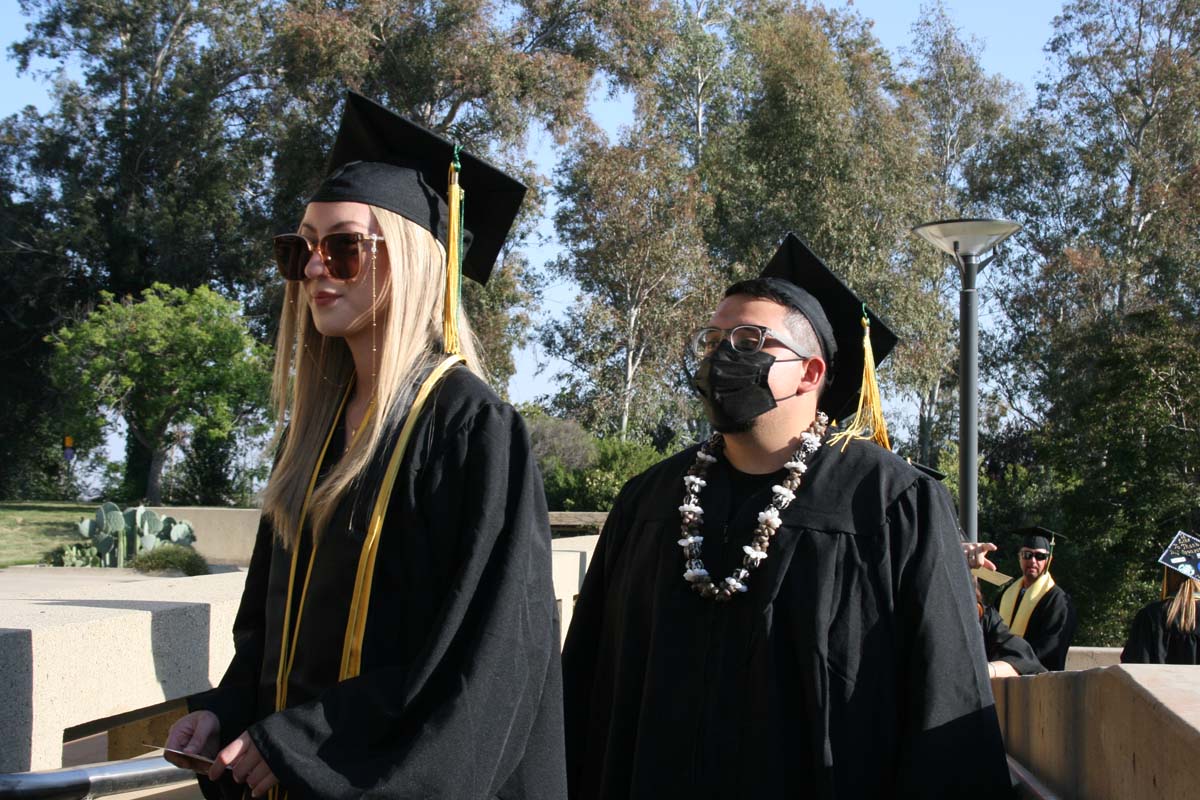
(72, 555)
(171, 556)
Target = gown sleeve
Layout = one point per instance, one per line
(1146, 644)
(950, 736)
(478, 711)
(1002, 644)
(1056, 628)
(581, 652)
(235, 698)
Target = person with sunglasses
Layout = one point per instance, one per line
(1033, 606)
(783, 610)
(397, 635)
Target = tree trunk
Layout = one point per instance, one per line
(138, 459)
(154, 479)
(927, 417)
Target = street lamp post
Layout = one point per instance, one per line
(965, 240)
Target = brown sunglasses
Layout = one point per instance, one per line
(341, 253)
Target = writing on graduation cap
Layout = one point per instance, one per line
(1182, 555)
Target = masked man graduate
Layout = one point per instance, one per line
(1033, 606)
(781, 611)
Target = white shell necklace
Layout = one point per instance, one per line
(691, 514)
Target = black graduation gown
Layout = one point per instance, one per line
(1152, 641)
(1051, 627)
(1001, 644)
(459, 694)
(853, 667)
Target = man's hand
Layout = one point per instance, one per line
(976, 555)
(197, 732)
(246, 765)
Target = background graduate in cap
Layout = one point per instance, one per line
(782, 611)
(1033, 606)
(396, 637)
(1165, 632)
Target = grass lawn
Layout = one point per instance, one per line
(27, 530)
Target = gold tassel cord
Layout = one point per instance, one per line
(868, 422)
(454, 234)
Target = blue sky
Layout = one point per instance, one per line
(1011, 35)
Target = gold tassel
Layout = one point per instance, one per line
(450, 304)
(868, 422)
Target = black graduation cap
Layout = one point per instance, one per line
(836, 315)
(1036, 537)
(386, 160)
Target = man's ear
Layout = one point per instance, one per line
(814, 373)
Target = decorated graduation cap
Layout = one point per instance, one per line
(385, 160)
(853, 339)
(1181, 558)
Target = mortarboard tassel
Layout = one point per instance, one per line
(869, 416)
(454, 250)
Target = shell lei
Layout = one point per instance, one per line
(691, 514)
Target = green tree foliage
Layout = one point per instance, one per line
(955, 108)
(147, 167)
(631, 219)
(1122, 427)
(1094, 359)
(485, 74)
(152, 164)
(172, 358)
(595, 487)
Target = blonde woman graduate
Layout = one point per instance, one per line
(397, 635)
(1165, 631)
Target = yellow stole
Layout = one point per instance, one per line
(356, 622)
(1033, 595)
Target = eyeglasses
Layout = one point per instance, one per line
(743, 338)
(341, 254)
(1029, 555)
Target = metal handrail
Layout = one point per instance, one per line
(1027, 784)
(92, 780)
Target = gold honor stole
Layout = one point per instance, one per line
(1033, 596)
(356, 622)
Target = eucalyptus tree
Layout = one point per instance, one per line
(630, 218)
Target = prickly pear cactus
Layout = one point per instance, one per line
(116, 537)
(181, 533)
(150, 524)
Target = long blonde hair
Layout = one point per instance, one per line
(312, 371)
(1182, 613)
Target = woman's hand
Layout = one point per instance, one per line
(976, 553)
(197, 732)
(246, 765)
(1001, 669)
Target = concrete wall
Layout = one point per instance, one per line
(79, 645)
(223, 535)
(1118, 733)
(1091, 657)
(226, 535)
(84, 645)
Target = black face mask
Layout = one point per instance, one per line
(734, 388)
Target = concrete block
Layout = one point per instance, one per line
(1125, 732)
(77, 646)
(223, 535)
(1092, 657)
(85, 649)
